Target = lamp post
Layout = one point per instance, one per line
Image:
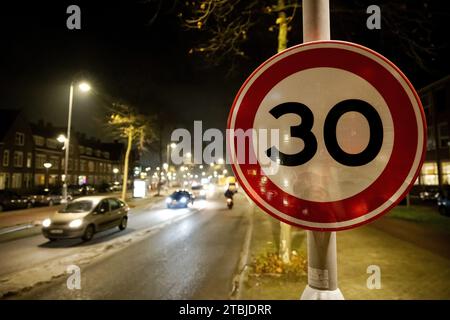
(84, 87)
(115, 171)
(47, 166)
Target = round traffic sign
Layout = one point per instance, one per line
(327, 135)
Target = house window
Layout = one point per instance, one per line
(429, 174)
(54, 160)
(16, 181)
(18, 159)
(39, 141)
(39, 179)
(19, 139)
(5, 158)
(52, 143)
(443, 135)
(91, 166)
(40, 160)
(4, 181)
(27, 180)
(29, 159)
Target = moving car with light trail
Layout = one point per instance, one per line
(86, 216)
(179, 199)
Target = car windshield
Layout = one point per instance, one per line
(179, 195)
(77, 206)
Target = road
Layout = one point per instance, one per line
(191, 254)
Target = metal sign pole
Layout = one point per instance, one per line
(322, 262)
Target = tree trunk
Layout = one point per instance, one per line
(125, 165)
(285, 229)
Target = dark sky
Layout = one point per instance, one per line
(126, 57)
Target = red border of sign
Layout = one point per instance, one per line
(357, 205)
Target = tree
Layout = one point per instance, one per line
(128, 124)
(227, 24)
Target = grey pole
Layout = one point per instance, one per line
(66, 157)
(322, 258)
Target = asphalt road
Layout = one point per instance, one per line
(193, 258)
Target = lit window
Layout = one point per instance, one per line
(429, 174)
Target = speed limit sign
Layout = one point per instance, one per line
(349, 134)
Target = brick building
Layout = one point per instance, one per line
(25, 147)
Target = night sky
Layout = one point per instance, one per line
(130, 53)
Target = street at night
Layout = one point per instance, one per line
(234, 158)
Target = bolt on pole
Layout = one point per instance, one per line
(322, 257)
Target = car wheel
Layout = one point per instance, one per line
(88, 233)
(123, 223)
(51, 239)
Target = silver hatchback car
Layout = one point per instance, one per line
(85, 216)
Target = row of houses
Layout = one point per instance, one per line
(25, 147)
(435, 99)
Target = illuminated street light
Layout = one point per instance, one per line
(165, 166)
(84, 87)
(47, 165)
(61, 138)
(225, 171)
(201, 166)
(220, 161)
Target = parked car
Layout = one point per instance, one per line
(180, 199)
(429, 194)
(48, 197)
(198, 191)
(84, 217)
(12, 200)
(443, 201)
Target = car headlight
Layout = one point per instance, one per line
(46, 223)
(168, 200)
(183, 200)
(75, 223)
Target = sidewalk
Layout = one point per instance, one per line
(408, 271)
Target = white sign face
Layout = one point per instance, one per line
(351, 135)
(323, 178)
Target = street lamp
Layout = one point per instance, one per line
(61, 138)
(84, 87)
(47, 165)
